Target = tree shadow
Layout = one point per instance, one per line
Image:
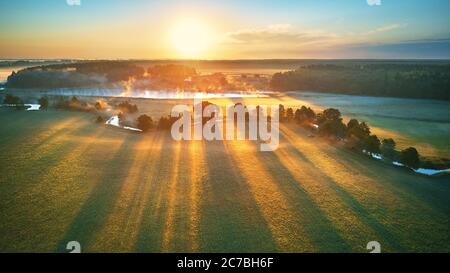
(320, 229)
(94, 212)
(433, 192)
(155, 212)
(385, 236)
(231, 220)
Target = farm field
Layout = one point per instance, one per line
(64, 178)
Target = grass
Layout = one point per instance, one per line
(423, 124)
(65, 178)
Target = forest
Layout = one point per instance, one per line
(404, 80)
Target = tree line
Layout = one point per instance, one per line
(421, 81)
(329, 124)
(83, 74)
(355, 134)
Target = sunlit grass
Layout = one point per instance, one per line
(66, 178)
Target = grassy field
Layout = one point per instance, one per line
(424, 124)
(65, 178)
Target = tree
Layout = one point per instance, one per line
(98, 106)
(62, 103)
(298, 116)
(304, 115)
(15, 101)
(331, 114)
(388, 148)
(333, 127)
(371, 144)
(289, 114)
(163, 124)
(309, 113)
(74, 101)
(330, 123)
(144, 123)
(282, 112)
(410, 158)
(121, 117)
(43, 101)
(359, 137)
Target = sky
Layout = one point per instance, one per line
(232, 29)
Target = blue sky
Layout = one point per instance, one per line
(227, 29)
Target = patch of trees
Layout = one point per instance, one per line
(425, 81)
(304, 115)
(85, 74)
(74, 104)
(165, 123)
(410, 158)
(144, 123)
(177, 76)
(14, 101)
(127, 107)
(11, 99)
(52, 79)
(100, 120)
(355, 135)
(175, 71)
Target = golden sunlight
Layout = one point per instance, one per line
(190, 38)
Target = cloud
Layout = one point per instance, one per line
(387, 28)
(278, 40)
(276, 34)
(409, 49)
(73, 2)
(374, 2)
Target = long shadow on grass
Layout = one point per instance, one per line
(431, 191)
(320, 229)
(231, 220)
(364, 215)
(151, 230)
(32, 166)
(97, 207)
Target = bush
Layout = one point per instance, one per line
(371, 144)
(144, 122)
(289, 114)
(304, 115)
(165, 123)
(10, 99)
(388, 148)
(127, 107)
(98, 106)
(330, 123)
(358, 130)
(410, 158)
(62, 103)
(43, 101)
(74, 102)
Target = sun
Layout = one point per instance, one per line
(190, 38)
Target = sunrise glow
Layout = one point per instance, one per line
(190, 38)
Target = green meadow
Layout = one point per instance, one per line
(65, 178)
(420, 123)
